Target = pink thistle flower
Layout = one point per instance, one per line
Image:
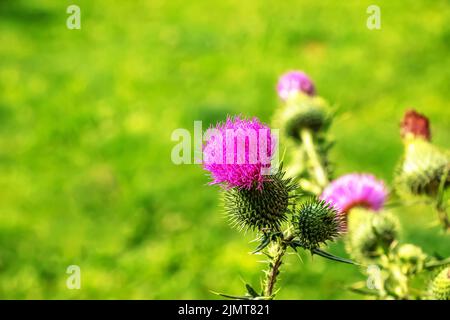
(238, 152)
(293, 82)
(354, 190)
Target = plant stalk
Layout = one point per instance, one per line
(277, 252)
(272, 275)
(318, 169)
(440, 205)
(443, 218)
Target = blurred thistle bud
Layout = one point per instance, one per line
(302, 112)
(263, 208)
(415, 125)
(293, 82)
(411, 258)
(396, 283)
(370, 234)
(440, 286)
(423, 165)
(356, 190)
(316, 222)
(422, 169)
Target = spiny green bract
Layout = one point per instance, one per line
(258, 209)
(440, 286)
(302, 111)
(317, 222)
(370, 234)
(422, 168)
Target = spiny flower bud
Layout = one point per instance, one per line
(422, 168)
(369, 234)
(415, 125)
(263, 208)
(293, 82)
(302, 112)
(411, 258)
(317, 222)
(440, 286)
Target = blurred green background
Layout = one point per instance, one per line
(86, 118)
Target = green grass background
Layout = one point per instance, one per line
(86, 118)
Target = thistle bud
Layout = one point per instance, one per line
(411, 258)
(440, 286)
(302, 112)
(415, 125)
(370, 235)
(422, 168)
(259, 209)
(396, 283)
(293, 82)
(317, 222)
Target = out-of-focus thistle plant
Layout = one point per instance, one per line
(260, 199)
(297, 207)
(424, 168)
(304, 119)
(370, 235)
(372, 238)
(356, 190)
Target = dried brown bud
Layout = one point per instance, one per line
(415, 124)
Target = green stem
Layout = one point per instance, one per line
(443, 218)
(440, 205)
(272, 274)
(318, 169)
(437, 263)
(276, 254)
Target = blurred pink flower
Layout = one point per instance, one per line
(354, 190)
(294, 81)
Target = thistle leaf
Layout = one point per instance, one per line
(363, 291)
(330, 256)
(251, 291)
(437, 264)
(265, 240)
(231, 296)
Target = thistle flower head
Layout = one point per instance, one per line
(354, 190)
(259, 209)
(440, 286)
(317, 222)
(422, 168)
(302, 112)
(370, 235)
(415, 125)
(238, 151)
(293, 82)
